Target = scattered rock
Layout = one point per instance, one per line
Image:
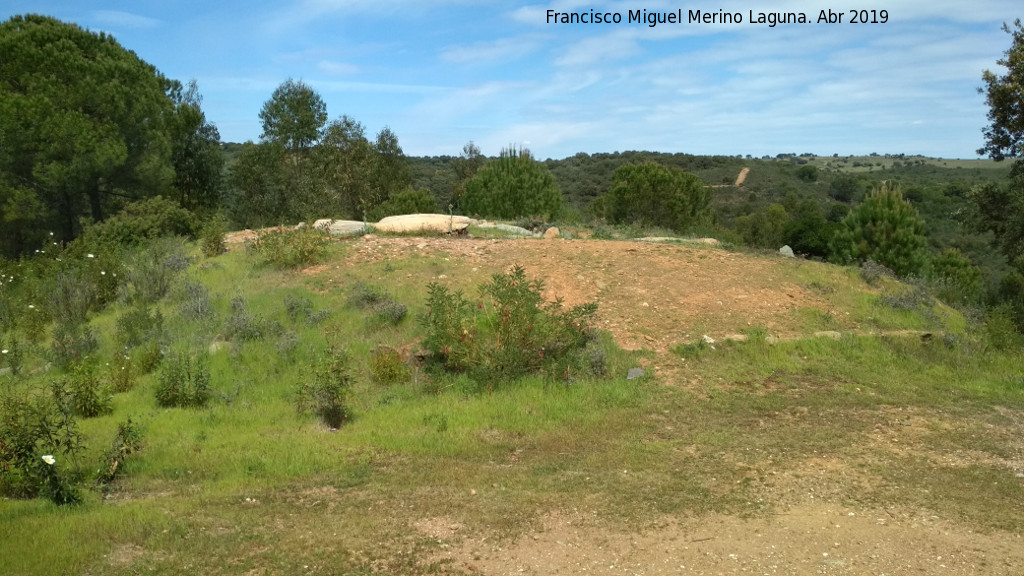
(787, 252)
(707, 339)
(828, 334)
(518, 230)
(442, 223)
(552, 233)
(300, 225)
(634, 373)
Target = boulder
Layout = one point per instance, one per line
(440, 223)
(322, 223)
(346, 228)
(635, 373)
(552, 233)
(518, 230)
(787, 252)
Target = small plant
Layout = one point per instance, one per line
(387, 366)
(196, 303)
(241, 324)
(297, 307)
(381, 307)
(127, 442)
(55, 486)
(12, 356)
(212, 237)
(122, 373)
(283, 248)
(33, 423)
(184, 381)
(72, 343)
(151, 270)
(287, 344)
(137, 325)
(871, 272)
(84, 393)
(999, 331)
(326, 394)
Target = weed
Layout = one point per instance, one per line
(32, 423)
(196, 303)
(381, 307)
(152, 269)
(55, 486)
(211, 237)
(326, 394)
(71, 297)
(297, 307)
(138, 325)
(184, 381)
(287, 344)
(387, 366)
(122, 373)
(13, 356)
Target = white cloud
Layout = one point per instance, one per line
(493, 51)
(118, 19)
(336, 68)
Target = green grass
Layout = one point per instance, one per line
(248, 484)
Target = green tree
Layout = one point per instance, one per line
(294, 117)
(344, 159)
(514, 185)
(1000, 208)
(809, 231)
(198, 160)
(764, 228)
(83, 129)
(650, 194)
(956, 278)
(884, 228)
(465, 167)
(389, 173)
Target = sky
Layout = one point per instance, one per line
(441, 73)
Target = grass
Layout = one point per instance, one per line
(247, 485)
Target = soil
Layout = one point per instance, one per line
(742, 177)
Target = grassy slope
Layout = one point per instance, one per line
(248, 486)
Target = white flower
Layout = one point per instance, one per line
(49, 459)
(4, 351)
(51, 233)
(31, 305)
(89, 256)
(103, 273)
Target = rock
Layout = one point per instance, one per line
(600, 284)
(322, 223)
(635, 373)
(346, 228)
(519, 230)
(707, 339)
(552, 233)
(369, 236)
(787, 252)
(300, 225)
(828, 334)
(442, 223)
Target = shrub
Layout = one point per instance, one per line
(381, 308)
(212, 236)
(512, 332)
(325, 395)
(287, 344)
(650, 194)
(72, 343)
(297, 306)
(241, 324)
(71, 296)
(122, 373)
(955, 278)
(151, 270)
(196, 303)
(871, 272)
(884, 228)
(765, 228)
(139, 222)
(283, 248)
(127, 441)
(408, 201)
(387, 366)
(999, 331)
(33, 424)
(512, 186)
(83, 393)
(137, 325)
(184, 381)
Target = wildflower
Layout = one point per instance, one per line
(49, 459)
(4, 351)
(89, 255)
(103, 273)
(31, 305)
(51, 233)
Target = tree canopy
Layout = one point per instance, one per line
(514, 185)
(1004, 94)
(294, 117)
(83, 129)
(654, 195)
(884, 228)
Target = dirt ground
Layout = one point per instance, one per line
(649, 295)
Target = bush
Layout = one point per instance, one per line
(884, 228)
(83, 393)
(212, 237)
(184, 381)
(955, 278)
(33, 424)
(241, 324)
(283, 248)
(512, 186)
(650, 194)
(127, 441)
(196, 303)
(382, 309)
(871, 272)
(122, 373)
(512, 332)
(408, 201)
(138, 325)
(326, 394)
(152, 269)
(72, 343)
(387, 366)
(764, 229)
(139, 222)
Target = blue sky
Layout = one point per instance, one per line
(443, 72)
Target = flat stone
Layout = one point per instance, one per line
(442, 223)
(519, 230)
(346, 228)
(322, 223)
(828, 334)
(787, 252)
(634, 373)
(552, 233)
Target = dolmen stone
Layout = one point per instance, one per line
(440, 223)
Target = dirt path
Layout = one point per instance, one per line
(742, 177)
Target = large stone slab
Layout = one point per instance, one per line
(347, 228)
(442, 223)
